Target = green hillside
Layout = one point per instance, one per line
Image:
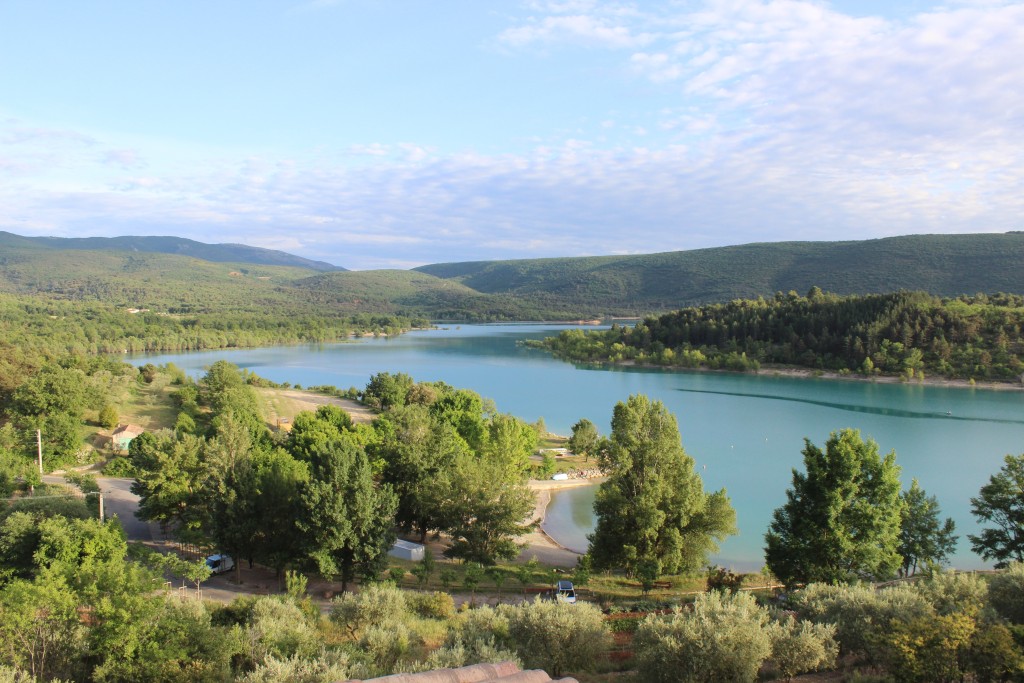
(556, 288)
(940, 264)
(409, 292)
(177, 284)
(218, 253)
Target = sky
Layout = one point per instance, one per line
(395, 133)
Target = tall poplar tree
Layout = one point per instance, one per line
(841, 519)
(924, 539)
(1000, 503)
(652, 512)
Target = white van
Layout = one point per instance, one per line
(565, 591)
(219, 564)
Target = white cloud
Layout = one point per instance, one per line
(790, 120)
(576, 28)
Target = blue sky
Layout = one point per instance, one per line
(386, 133)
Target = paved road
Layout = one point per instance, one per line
(119, 500)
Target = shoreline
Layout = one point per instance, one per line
(808, 373)
(538, 541)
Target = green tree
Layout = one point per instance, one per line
(924, 540)
(279, 478)
(416, 449)
(232, 492)
(108, 416)
(481, 509)
(464, 410)
(1001, 503)
(652, 507)
(171, 477)
(424, 569)
(525, 572)
(1006, 593)
(40, 630)
(386, 391)
(312, 432)
(346, 518)
(511, 441)
(841, 519)
(53, 389)
(585, 439)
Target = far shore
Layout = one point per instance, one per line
(809, 373)
(785, 371)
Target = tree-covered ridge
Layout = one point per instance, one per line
(219, 253)
(908, 333)
(172, 278)
(36, 332)
(945, 265)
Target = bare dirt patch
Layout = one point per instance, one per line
(285, 404)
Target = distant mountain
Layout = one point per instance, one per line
(944, 265)
(180, 276)
(217, 253)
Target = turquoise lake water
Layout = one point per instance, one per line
(744, 432)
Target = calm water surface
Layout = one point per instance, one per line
(744, 432)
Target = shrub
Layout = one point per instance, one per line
(326, 668)
(482, 636)
(120, 467)
(386, 645)
(801, 647)
(994, 656)
(376, 604)
(278, 628)
(859, 612)
(436, 605)
(557, 636)
(951, 593)
(722, 579)
(926, 649)
(723, 639)
(1006, 593)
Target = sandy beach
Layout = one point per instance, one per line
(538, 543)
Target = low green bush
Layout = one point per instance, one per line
(436, 605)
(119, 467)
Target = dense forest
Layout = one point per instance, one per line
(37, 332)
(906, 333)
(640, 284)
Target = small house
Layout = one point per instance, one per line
(123, 435)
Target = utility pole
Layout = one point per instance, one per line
(101, 506)
(39, 449)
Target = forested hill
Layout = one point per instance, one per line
(906, 333)
(176, 276)
(946, 265)
(217, 253)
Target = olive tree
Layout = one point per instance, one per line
(557, 636)
(725, 638)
